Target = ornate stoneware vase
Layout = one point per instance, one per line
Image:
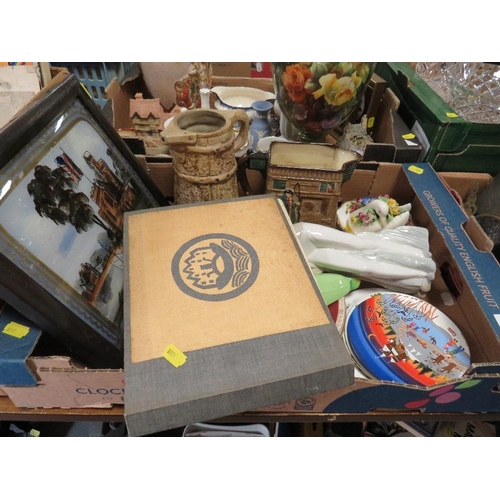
(319, 96)
(202, 143)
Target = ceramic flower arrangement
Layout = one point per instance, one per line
(318, 96)
(372, 214)
(365, 218)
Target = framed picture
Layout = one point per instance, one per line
(66, 180)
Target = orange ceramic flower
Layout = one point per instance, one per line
(294, 80)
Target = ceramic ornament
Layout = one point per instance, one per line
(403, 265)
(372, 214)
(202, 143)
(260, 126)
(400, 338)
(334, 286)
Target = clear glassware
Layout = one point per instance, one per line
(472, 89)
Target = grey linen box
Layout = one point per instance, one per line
(222, 315)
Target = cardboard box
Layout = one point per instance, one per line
(373, 98)
(393, 141)
(466, 289)
(161, 170)
(19, 84)
(64, 384)
(18, 337)
(33, 379)
(212, 323)
(451, 143)
(242, 69)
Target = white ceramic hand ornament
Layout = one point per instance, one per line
(402, 263)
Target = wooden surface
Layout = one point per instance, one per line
(9, 412)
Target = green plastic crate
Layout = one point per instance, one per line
(453, 143)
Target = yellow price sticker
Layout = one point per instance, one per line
(416, 170)
(451, 115)
(16, 330)
(408, 136)
(86, 90)
(175, 356)
(371, 122)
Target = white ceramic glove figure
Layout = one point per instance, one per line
(397, 259)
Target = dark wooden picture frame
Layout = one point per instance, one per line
(66, 180)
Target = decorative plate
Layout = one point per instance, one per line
(400, 338)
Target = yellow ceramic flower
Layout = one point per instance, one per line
(337, 92)
(318, 69)
(357, 80)
(326, 81)
(393, 206)
(346, 68)
(363, 71)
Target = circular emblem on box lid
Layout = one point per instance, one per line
(215, 267)
(400, 338)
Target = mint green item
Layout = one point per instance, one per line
(335, 286)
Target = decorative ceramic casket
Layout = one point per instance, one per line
(314, 173)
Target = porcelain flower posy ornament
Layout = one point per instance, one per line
(372, 214)
(316, 97)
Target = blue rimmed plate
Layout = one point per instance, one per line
(400, 338)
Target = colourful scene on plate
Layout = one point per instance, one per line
(401, 335)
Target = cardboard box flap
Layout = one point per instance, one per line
(477, 235)
(373, 95)
(39, 363)
(389, 179)
(18, 337)
(477, 268)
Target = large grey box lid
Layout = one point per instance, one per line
(222, 315)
